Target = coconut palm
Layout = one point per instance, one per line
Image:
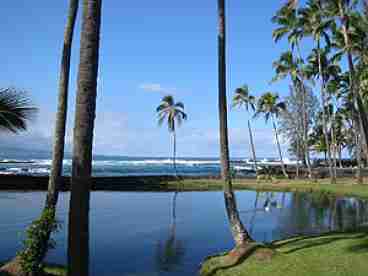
(173, 113)
(78, 235)
(346, 39)
(318, 25)
(243, 98)
(16, 110)
(61, 114)
(290, 25)
(49, 211)
(321, 66)
(270, 106)
(239, 233)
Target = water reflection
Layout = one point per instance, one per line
(305, 213)
(155, 234)
(170, 252)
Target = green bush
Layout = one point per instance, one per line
(38, 241)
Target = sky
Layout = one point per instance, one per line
(148, 49)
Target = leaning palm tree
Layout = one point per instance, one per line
(46, 223)
(16, 110)
(173, 113)
(243, 98)
(270, 107)
(78, 235)
(61, 114)
(239, 233)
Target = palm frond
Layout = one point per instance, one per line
(15, 110)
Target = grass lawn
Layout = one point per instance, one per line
(344, 186)
(336, 254)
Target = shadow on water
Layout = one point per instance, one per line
(170, 252)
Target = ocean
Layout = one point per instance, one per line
(123, 166)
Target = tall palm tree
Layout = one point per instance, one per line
(239, 233)
(270, 107)
(174, 114)
(318, 25)
(287, 65)
(78, 236)
(343, 9)
(242, 97)
(49, 211)
(290, 25)
(16, 110)
(61, 114)
(321, 66)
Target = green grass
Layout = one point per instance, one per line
(336, 254)
(344, 186)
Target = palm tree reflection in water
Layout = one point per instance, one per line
(170, 252)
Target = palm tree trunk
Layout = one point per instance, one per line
(305, 121)
(61, 115)
(78, 237)
(174, 153)
(358, 103)
(252, 146)
(359, 158)
(239, 233)
(279, 149)
(340, 157)
(297, 156)
(324, 115)
(42, 243)
(334, 148)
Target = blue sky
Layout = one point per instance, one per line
(148, 49)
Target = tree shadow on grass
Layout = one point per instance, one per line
(300, 243)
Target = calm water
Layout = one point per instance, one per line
(132, 233)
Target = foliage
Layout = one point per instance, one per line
(15, 110)
(34, 249)
(291, 121)
(171, 111)
(270, 106)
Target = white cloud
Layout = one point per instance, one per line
(156, 87)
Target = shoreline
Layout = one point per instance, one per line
(345, 185)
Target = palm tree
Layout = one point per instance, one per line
(270, 106)
(287, 65)
(78, 236)
(46, 227)
(174, 114)
(343, 9)
(15, 110)
(326, 69)
(241, 98)
(61, 115)
(240, 235)
(318, 25)
(290, 25)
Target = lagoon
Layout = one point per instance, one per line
(134, 233)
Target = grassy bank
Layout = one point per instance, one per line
(336, 254)
(344, 186)
(50, 270)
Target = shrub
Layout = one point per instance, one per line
(38, 241)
